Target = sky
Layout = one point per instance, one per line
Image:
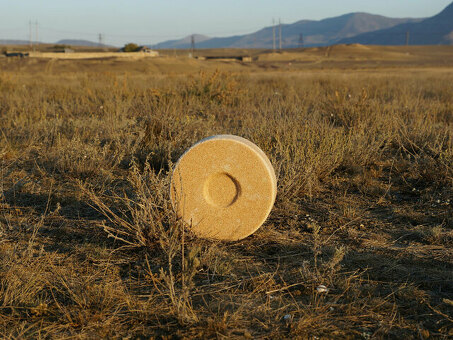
(153, 21)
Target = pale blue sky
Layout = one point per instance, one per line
(149, 22)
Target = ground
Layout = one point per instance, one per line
(361, 139)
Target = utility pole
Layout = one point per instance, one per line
(192, 44)
(273, 34)
(301, 40)
(279, 35)
(407, 38)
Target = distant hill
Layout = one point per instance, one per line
(432, 31)
(13, 42)
(78, 42)
(70, 42)
(315, 33)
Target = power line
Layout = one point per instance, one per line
(138, 36)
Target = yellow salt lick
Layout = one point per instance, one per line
(223, 187)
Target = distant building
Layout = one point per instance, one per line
(64, 50)
(16, 54)
(144, 49)
(243, 58)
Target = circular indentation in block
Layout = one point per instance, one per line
(224, 187)
(221, 190)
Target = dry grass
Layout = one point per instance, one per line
(91, 248)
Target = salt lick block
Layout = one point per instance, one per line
(223, 187)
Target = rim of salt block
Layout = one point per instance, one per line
(223, 187)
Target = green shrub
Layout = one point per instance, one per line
(131, 47)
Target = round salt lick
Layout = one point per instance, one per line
(224, 187)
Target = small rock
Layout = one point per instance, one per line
(366, 335)
(322, 289)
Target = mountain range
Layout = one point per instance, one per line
(437, 30)
(314, 33)
(13, 42)
(363, 28)
(78, 42)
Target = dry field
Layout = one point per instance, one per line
(91, 55)
(362, 144)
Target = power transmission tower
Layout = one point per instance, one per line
(273, 34)
(279, 34)
(100, 39)
(301, 40)
(30, 34)
(407, 38)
